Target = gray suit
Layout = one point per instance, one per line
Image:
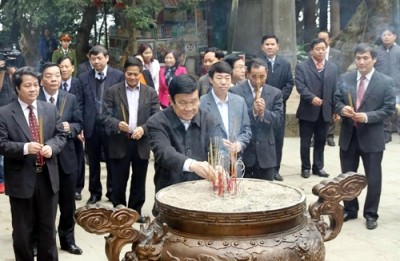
(365, 140)
(239, 123)
(260, 156)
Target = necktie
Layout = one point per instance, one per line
(100, 76)
(320, 66)
(271, 65)
(65, 86)
(35, 133)
(360, 91)
(52, 99)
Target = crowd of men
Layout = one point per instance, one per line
(48, 120)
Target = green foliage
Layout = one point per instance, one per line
(142, 15)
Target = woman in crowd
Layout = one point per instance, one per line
(171, 69)
(150, 64)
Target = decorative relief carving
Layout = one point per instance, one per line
(330, 192)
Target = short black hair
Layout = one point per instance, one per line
(219, 54)
(388, 28)
(133, 61)
(365, 48)
(183, 83)
(19, 73)
(327, 32)
(268, 36)
(316, 41)
(256, 63)
(231, 59)
(219, 67)
(65, 57)
(98, 49)
(47, 65)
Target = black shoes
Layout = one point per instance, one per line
(93, 200)
(321, 173)
(78, 196)
(305, 173)
(72, 249)
(371, 223)
(349, 216)
(331, 142)
(278, 177)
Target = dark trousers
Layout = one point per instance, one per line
(95, 145)
(256, 172)
(66, 201)
(331, 129)
(37, 212)
(307, 130)
(80, 155)
(121, 169)
(349, 161)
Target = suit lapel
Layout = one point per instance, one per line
(312, 67)
(233, 116)
(20, 119)
(369, 89)
(124, 100)
(213, 108)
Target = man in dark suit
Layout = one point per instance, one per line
(71, 84)
(31, 136)
(265, 109)
(279, 76)
(85, 66)
(128, 105)
(90, 96)
(362, 132)
(229, 109)
(315, 82)
(180, 136)
(67, 162)
(335, 56)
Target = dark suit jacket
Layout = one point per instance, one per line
(173, 145)
(75, 85)
(239, 122)
(309, 84)
(378, 103)
(262, 145)
(19, 169)
(86, 95)
(84, 67)
(68, 107)
(114, 98)
(281, 76)
(335, 56)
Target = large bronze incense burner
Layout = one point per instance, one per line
(262, 221)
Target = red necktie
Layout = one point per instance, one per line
(34, 128)
(360, 91)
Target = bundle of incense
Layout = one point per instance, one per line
(258, 89)
(350, 98)
(41, 139)
(123, 112)
(63, 106)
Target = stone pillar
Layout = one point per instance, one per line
(259, 17)
(284, 27)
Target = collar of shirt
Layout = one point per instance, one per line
(24, 105)
(185, 123)
(104, 72)
(253, 89)
(327, 53)
(316, 62)
(68, 82)
(217, 100)
(64, 50)
(367, 76)
(129, 88)
(55, 96)
(272, 59)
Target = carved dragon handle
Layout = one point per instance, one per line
(346, 186)
(118, 222)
